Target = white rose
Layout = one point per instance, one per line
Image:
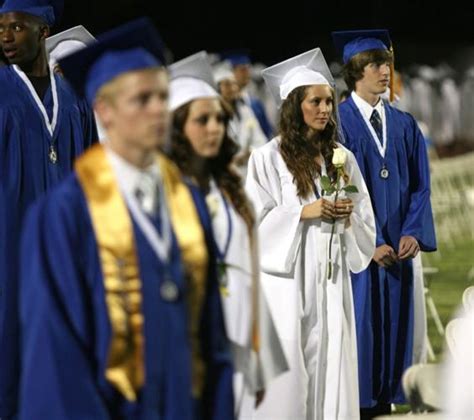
(339, 157)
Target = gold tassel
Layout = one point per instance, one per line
(392, 75)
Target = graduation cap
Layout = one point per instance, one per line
(350, 43)
(223, 71)
(133, 46)
(50, 11)
(309, 68)
(191, 78)
(67, 42)
(237, 57)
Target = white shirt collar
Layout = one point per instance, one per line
(128, 175)
(365, 107)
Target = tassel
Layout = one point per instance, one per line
(392, 76)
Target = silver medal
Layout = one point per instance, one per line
(169, 291)
(384, 173)
(53, 156)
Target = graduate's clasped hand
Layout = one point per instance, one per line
(327, 210)
(408, 248)
(343, 208)
(385, 255)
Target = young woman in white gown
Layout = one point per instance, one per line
(203, 151)
(313, 313)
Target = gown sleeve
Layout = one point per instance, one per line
(10, 149)
(270, 361)
(9, 331)
(419, 218)
(360, 236)
(279, 224)
(89, 126)
(58, 379)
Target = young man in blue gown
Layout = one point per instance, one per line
(120, 308)
(44, 126)
(391, 153)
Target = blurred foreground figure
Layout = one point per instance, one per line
(120, 309)
(203, 150)
(457, 384)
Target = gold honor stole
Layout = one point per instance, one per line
(115, 239)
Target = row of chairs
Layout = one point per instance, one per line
(452, 199)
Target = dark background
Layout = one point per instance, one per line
(423, 32)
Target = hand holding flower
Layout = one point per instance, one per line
(319, 209)
(343, 208)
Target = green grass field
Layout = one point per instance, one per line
(446, 286)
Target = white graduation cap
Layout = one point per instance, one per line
(191, 78)
(309, 68)
(223, 71)
(67, 42)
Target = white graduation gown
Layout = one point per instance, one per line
(246, 132)
(314, 317)
(253, 372)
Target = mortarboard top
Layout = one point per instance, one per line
(196, 65)
(67, 42)
(191, 78)
(237, 57)
(133, 46)
(309, 68)
(350, 43)
(223, 71)
(50, 11)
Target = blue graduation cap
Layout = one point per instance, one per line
(50, 11)
(236, 57)
(135, 45)
(350, 43)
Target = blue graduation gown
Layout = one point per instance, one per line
(9, 338)
(25, 173)
(383, 298)
(25, 168)
(66, 329)
(260, 113)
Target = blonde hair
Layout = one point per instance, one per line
(109, 90)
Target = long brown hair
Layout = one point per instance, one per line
(219, 167)
(299, 148)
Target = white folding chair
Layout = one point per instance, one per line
(428, 271)
(468, 298)
(421, 387)
(454, 330)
